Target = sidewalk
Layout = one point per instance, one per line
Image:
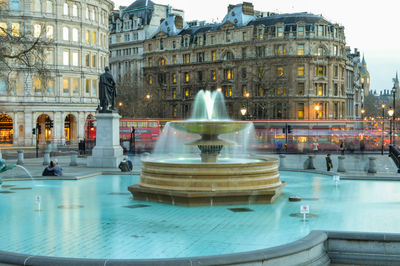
(356, 166)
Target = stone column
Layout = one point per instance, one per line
(341, 164)
(20, 160)
(282, 164)
(371, 165)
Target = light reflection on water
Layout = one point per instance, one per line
(105, 228)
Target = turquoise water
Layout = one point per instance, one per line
(96, 218)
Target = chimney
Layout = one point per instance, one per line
(248, 8)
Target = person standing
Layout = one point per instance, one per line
(328, 162)
(315, 147)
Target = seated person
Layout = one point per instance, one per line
(57, 169)
(124, 166)
(130, 164)
(49, 170)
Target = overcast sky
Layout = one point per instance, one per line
(370, 26)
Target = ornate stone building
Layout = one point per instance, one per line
(277, 66)
(76, 33)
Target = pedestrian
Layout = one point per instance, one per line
(278, 146)
(328, 162)
(124, 166)
(362, 146)
(49, 170)
(342, 148)
(315, 147)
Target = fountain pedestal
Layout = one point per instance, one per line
(108, 151)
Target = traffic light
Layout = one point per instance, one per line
(39, 129)
(284, 130)
(33, 131)
(289, 128)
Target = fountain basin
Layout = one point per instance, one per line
(191, 183)
(209, 127)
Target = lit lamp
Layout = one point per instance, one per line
(394, 112)
(383, 127)
(362, 113)
(390, 113)
(243, 111)
(148, 96)
(120, 104)
(316, 110)
(247, 95)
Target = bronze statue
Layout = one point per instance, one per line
(108, 92)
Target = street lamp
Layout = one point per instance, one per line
(362, 113)
(247, 95)
(383, 125)
(243, 111)
(316, 107)
(147, 98)
(391, 115)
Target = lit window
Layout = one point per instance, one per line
(187, 77)
(87, 60)
(280, 50)
(300, 49)
(87, 86)
(244, 36)
(279, 31)
(75, 85)
(37, 30)
(228, 36)
(174, 94)
(279, 71)
(300, 71)
(300, 31)
(300, 110)
(37, 84)
(93, 60)
(260, 34)
(65, 85)
(150, 79)
(174, 59)
(300, 88)
(65, 33)
(187, 92)
(213, 56)
(213, 75)
(87, 36)
(3, 29)
(174, 78)
(15, 29)
(49, 32)
(93, 37)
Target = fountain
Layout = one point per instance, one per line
(5, 167)
(174, 175)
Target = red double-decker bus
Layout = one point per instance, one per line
(146, 132)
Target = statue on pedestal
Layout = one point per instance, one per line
(108, 92)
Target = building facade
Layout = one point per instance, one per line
(75, 53)
(276, 66)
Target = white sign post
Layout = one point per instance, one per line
(37, 199)
(304, 209)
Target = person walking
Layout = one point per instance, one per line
(328, 162)
(315, 147)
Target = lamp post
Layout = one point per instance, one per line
(394, 114)
(391, 115)
(147, 98)
(243, 111)
(247, 95)
(383, 126)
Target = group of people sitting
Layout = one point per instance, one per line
(53, 169)
(126, 165)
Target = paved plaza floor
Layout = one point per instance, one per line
(355, 165)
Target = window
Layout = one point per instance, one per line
(186, 42)
(65, 85)
(187, 77)
(65, 58)
(227, 90)
(87, 36)
(50, 56)
(279, 71)
(65, 33)
(75, 58)
(228, 36)
(300, 49)
(50, 86)
(260, 51)
(320, 71)
(200, 57)
(3, 29)
(66, 9)
(37, 84)
(213, 75)
(244, 36)
(49, 7)
(16, 5)
(150, 47)
(74, 10)
(186, 58)
(174, 95)
(300, 31)
(260, 91)
(161, 44)
(94, 87)
(174, 78)
(300, 71)
(93, 60)
(260, 34)
(244, 52)
(87, 60)
(212, 41)
(300, 110)
(300, 88)
(49, 32)
(200, 75)
(150, 79)
(320, 31)
(200, 40)
(87, 86)
(162, 62)
(174, 44)
(244, 73)
(93, 37)
(37, 30)
(213, 56)
(75, 34)
(260, 73)
(335, 50)
(279, 31)
(320, 89)
(228, 73)
(280, 49)
(187, 93)
(150, 61)
(75, 85)
(320, 51)
(174, 59)
(229, 56)
(336, 71)
(15, 29)
(245, 92)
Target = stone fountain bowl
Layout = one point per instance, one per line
(209, 127)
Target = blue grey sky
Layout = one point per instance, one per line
(370, 26)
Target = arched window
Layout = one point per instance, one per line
(75, 35)
(75, 10)
(66, 9)
(229, 56)
(49, 7)
(49, 32)
(65, 33)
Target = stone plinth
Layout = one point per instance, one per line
(108, 151)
